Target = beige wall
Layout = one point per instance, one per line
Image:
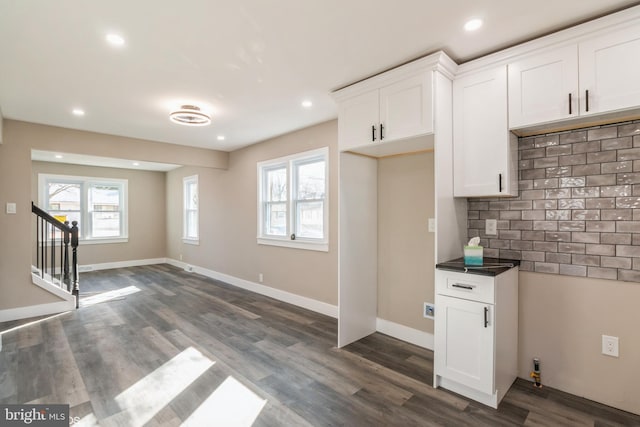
(562, 320)
(228, 220)
(406, 258)
(146, 212)
(16, 289)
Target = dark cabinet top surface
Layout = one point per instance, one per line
(489, 267)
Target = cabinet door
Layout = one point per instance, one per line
(483, 153)
(609, 71)
(544, 87)
(464, 342)
(406, 108)
(358, 119)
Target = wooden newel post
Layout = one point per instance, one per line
(65, 261)
(74, 251)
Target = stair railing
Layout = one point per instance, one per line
(53, 238)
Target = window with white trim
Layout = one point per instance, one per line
(190, 212)
(292, 201)
(98, 204)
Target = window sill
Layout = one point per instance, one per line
(191, 241)
(103, 241)
(295, 244)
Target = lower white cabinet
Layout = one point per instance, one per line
(476, 334)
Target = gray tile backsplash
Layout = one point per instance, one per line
(577, 212)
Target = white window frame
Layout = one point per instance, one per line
(289, 163)
(188, 180)
(86, 183)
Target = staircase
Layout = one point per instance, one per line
(54, 270)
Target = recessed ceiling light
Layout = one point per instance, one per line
(136, 164)
(58, 156)
(190, 115)
(78, 112)
(220, 138)
(307, 104)
(115, 39)
(473, 24)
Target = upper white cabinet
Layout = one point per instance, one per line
(484, 151)
(593, 76)
(609, 77)
(394, 106)
(544, 87)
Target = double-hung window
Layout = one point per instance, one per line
(190, 213)
(292, 201)
(99, 205)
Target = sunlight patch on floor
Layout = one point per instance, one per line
(230, 405)
(108, 296)
(144, 399)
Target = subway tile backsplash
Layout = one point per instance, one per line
(578, 209)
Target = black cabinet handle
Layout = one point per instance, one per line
(381, 131)
(586, 95)
(373, 133)
(570, 104)
(458, 285)
(486, 316)
(499, 183)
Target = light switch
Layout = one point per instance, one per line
(432, 225)
(491, 227)
(11, 208)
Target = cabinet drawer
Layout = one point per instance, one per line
(468, 286)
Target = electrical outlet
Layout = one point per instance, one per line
(429, 310)
(180, 257)
(491, 226)
(432, 225)
(260, 277)
(610, 346)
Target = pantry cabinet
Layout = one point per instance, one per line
(594, 76)
(484, 151)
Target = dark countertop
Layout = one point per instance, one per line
(489, 267)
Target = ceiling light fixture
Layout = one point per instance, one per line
(473, 24)
(307, 104)
(58, 156)
(115, 40)
(190, 115)
(78, 112)
(136, 164)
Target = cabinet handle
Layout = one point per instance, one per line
(381, 131)
(499, 183)
(570, 112)
(486, 316)
(373, 133)
(460, 285)
(586, 95)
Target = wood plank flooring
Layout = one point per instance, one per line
(172, 347)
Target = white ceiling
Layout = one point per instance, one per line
(251, 62)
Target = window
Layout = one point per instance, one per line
(98, 204)
(292, 201)
(190, 216)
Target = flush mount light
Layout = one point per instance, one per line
(220, 138)
(136, 164)
(78, 112)
(58, 156)
(115, 39)
(307, 104)
(190, 115)
(473, 24)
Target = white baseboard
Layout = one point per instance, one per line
(120, 264)
(36, 310)
(288, 297)
(51, 288)
(405, 333)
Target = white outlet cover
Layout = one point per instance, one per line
(432, 225)
(491, 227)
(610, 346)
(11, 208)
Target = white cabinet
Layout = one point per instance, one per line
(484, 151)
(401, 108)
(476, 334)
(596, 75)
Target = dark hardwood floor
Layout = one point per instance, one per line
(172, 347)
